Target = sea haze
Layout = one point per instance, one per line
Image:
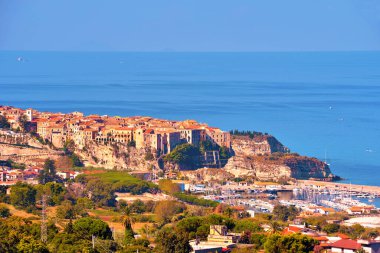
(325, 105)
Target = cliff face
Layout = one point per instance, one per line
(262, 144)
(117, 156)
(262, 157)
(208, 175)
(268, 159)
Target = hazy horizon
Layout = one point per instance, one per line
(190, 26)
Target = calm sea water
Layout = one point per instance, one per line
(315, 103)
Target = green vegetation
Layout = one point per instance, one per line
(191, 199)
(14, 165)
(48, 174)
(251, 134)
(168, 186)
(185, 155)
(4, 211)
(131, 143)
(122, 182)
(165, 210)
(23, 195)
(169, 241)
(285, 213)
(295, 243)
(4, 122)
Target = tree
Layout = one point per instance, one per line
(295, 243)
(229, 211)
(76, 160)
(4, 122)
(331, 228)
(170, 241)
(168, 186)
(184, 154)
(48, 174)
(101, 193)
(285, 213)
(224, 152)
(69, 147)
(55, 191)
(166, 209)
(84, 228)
(23, 122)
(129, 237)
(131, 143)
(247, 225)
(137, 206)
(206, 146)
(4, 211)
(31, 245)
(66, 210)
(23, 195)
(84, 203)
(258, 240)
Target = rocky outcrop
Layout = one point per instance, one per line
(21, 139)
(267, 159)
(260, 144)
(208, 175)
(28, 155)
(117, 156)
(262, 157)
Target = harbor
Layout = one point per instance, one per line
(307, 195)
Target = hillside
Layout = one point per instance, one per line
(261, 156)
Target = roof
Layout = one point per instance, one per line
(346, 244)
(343, 236)
(327, 209)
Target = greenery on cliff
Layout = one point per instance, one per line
(185, 155)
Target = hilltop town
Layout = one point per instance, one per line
(158, 134)
(148, 144)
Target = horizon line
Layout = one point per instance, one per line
(191, 51)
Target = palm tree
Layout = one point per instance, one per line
(129, 234)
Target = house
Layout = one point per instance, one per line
(326, 210)
(218, 241)
(219, 233)
(360, 209)
(370, 246)
(345, 246)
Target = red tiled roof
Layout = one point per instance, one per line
(321, 238)
(343, 236)
(346, 244)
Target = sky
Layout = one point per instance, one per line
(190, 25)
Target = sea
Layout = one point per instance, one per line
(319, 104)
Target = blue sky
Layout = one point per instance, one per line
(190, 25)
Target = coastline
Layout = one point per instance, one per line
(336, 184)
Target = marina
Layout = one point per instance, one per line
(309, 196)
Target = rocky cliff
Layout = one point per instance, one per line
(260, 144)
(265, 158)
(261, 156)
(117, 156)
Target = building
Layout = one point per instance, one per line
(191, 136)
(219, 233)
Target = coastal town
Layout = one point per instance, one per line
(243, 196)
(161, 135)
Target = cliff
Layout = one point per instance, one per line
(259, 144)
(117, 156)
(265, 158)
(261, 156)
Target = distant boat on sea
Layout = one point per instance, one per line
(326, 159)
